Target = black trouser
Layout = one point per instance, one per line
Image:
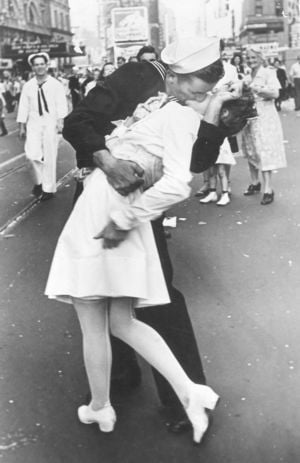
(171, 321)
(297, 93)
(2, 126)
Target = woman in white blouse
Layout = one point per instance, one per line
(262, 138)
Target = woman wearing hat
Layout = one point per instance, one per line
(262, 138)
(42, 107)
(106, 262)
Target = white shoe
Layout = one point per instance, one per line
(224, 200)
(105, 417)
(212, 197)
(200, 398)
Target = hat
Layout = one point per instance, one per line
(38, 55)
(191, 54)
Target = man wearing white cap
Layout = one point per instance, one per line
(85, 128)
(42, 107)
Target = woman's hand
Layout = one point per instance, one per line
(111, 235)
(231, 91)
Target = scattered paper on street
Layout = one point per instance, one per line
(170, 222)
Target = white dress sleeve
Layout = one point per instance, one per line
(179, 130)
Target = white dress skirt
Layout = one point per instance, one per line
(262, 139)
(81, 268)
(226, 156)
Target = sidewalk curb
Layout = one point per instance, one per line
(14, 163)
(19, 161)
(21, 215)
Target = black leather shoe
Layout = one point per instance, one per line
(252, 189)
(179, 426)
(37, 190)
(202, 193)
(175, 419)
(268, 198)
(46, 196)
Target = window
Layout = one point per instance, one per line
(55, 19)
(62, 22)
(11, 8)
(278, 7)
(32, 14)
(258, 7)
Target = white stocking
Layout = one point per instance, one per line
(149, 344)
(93, 319)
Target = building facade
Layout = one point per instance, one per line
(220, 19)
(265, 21)
(29, 26)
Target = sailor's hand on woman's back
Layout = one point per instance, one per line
(123, 176)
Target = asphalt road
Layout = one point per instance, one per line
(239, 269)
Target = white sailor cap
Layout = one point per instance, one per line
(191, 54)
(41, 54)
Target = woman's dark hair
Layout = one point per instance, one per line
(235, 113)
(108, 63)
(146, 49)
(234, 56)
(211, 74)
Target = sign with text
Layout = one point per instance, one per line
(22, 49)
(130, 24)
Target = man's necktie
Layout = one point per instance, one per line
(41, 96)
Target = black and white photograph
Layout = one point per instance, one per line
(149, 231)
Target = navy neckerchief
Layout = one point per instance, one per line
(41, 96)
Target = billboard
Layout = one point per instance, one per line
(130, 24)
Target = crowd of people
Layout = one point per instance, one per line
(139, 131)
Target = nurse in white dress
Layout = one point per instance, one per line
(42, 107)
(106, 278)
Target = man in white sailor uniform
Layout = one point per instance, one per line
(42, 107)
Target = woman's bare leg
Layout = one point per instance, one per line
(267, 176)
(253, 174)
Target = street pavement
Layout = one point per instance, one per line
(239, 269)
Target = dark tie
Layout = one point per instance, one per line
(41, 95)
